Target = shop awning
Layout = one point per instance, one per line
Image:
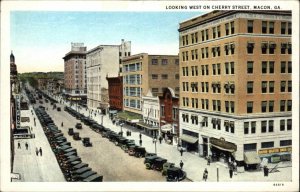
(165, 128)
(222, 144)
(251, 157)
(147, 126)
(188, 138)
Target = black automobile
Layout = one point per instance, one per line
(71, 131)
(58, 109)
(76, 136)
(86, 142)
(139, 151)
(78, 126)
(83, 175)
(94, 178)
(158, 163)
(175, 174)
(149, 161)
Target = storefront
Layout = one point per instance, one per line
(166, 132)
(222, 150)
(150, 130)
(189, 140)
(275, 155)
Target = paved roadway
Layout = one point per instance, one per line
(104, 157)
(34, 168)
(193, 164)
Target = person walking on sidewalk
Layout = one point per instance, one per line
(26, 145)
(62, 124)
(181, 164)
(141, 142)
(140, 136)
(230, 171)
(208, 160)
(205, 174)
(181, 151)
(41, 152)
(36, 151)
(160, 139)
(19, 145)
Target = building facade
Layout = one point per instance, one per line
(143, 72)
(235, 77)
(169, 115)
(151, 114)
(115, 93)
(103, 60)
(75, 73)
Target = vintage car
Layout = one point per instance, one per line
(76, 136)
(78, 126)
(83, 176)
(86, 142)
(128, 145)
(58, 109)
(80, 171)
(79, 166)
(149, 161)
(175, 174)
(136, 151)
(158, 164)
(71, 131)
(150, 154)
(166, 166)
(94, 178)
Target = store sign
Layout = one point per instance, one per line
(275, 150)
(18, 112)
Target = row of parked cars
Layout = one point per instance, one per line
(152, 161)
(69, 161)
(30, 96)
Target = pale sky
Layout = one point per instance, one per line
(39, 39)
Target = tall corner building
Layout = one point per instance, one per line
(235, 85)
(103, 61)
(75, 73)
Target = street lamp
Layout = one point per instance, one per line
(217, 173)
(121, 128)
(101, 119)
(154, 141)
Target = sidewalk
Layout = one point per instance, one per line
(193, 164)
(34, 168)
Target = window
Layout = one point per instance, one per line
(285, 142)
(214, 32)
(289, 124)
(250, 87)
(202, 35)
(282, 67)
(271, 86)
(164, 76)
(289, 67)
(271, 106)
(264, 85)
(289, 86)
(218, 31)
(289, 28)
(264, 47)
(272, 47)
(264, 106)
(250, 26)
(176, 61)
(267, 144)
(227, 28)
(226, 48)
(283, 27)
(186, 56)
(154, 76)
(264, 67)
(271, 27)
(283, 48)
(289, 105)
(226, 106)
(206, 70)
(232, 106)
(246, 128)
(206, 52)
(232, 47)
(282, 86)
(154, 61)
(264, 27)
(249, 106)
(271, 66)
(263, 126)
(271, 126)
(289, 46)
(250, 67)
(282, 105)
(253, 127)
(250, 147)
(207, 34)
(282, 125)
(232, 27)
(250, 47)
(164, 61)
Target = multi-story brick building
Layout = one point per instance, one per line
(103, 60)
(115, 93)
(143, 72)
(235, 77)
(75, 73)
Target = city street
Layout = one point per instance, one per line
(193, 164)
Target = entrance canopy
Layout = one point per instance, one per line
(188, 138)
(165, 128)
(147, 126)
(251, 157)
(222, 144)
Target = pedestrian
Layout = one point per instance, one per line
(208, 160)
(181, 151)
(266, 171)
(205, 174)
(141, 142)
(19, 145)
(36, 151)
(34, 124)
(30, 128)
(181, 164)
(26, 145)
(140, 136)
(41, 152)
(62, 124)
(160, 139)
(230, 171)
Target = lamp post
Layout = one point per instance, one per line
(154, 141)
(101, 119)
(217, 173)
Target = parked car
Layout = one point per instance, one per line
(78, 125)
(166, 166)
(158, 163)
(94, 178)
(71, 131)
(86, 142)
(58, 109)
(149, 161)
(76, 136)
(175, 174)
